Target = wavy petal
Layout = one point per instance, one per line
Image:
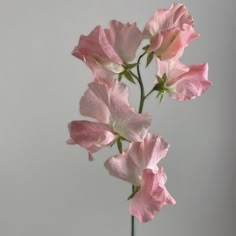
(124, 120)
(184, 82)
(93, 106)
(107, 101)
(151, 197)
(124, 38)
(192, 83)
(174, 42)
(140, 155)
(129, 124)
(108, 49)
(90, 135)
(104, 97)
(119, 94)
(174, 17)
(96, 51)
(172, 68)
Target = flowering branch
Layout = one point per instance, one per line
(109, 54)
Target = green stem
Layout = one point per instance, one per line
(134, 75)
(142, 96)
(132, 226)
(149, 93)
(132, 218)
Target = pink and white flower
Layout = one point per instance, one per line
(138, 166)
(170, 31)
(183, 82)
(106, 51)
(107, 102)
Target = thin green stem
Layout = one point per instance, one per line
(132, 218)
(134, 75)
(132, 226)
(149, 93)
(140, 84)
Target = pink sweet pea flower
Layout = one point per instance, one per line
(170, 31)
(182, 82)
(138, 166)
(106, 51)
(151, 197)
(107, 102)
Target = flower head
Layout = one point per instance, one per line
(170, 31)
(180, 81)
(107, 102)
(138, 165)
(106, 51)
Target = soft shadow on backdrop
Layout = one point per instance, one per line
(49, 188)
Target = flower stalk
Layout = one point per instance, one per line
(109, 53)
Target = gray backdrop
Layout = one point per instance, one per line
(49, 188)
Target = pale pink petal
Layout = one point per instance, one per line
(124, 38)
(168, 38)
(107, 101)
(111, 92)
(174, 42)
(103, 98)
(187, 34)
(192, 83)
(119, 94)
(172, 68)
(154, 149)
(184, 82)
(151, 197)
(170, 31)
(155, 43)
(124, 120)
(140, 155)
(92, 105)
(90, 135)
(89, 45)
(100, 72)
(96, 51)
(129, 124)
(108, 49)
(165, 19)
(126, 166)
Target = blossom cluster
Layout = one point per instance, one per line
(109, 53)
